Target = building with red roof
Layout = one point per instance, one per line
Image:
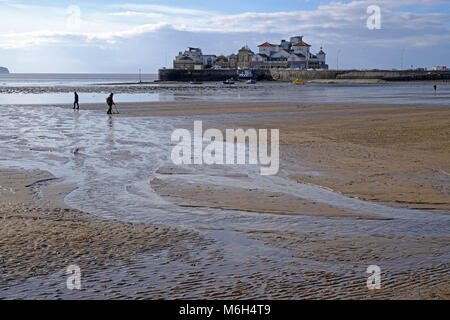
(267, 44)
(294, 53)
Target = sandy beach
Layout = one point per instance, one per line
(228, 234)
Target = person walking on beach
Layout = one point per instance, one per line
(110, 103)
(75, 103)
(435, 89)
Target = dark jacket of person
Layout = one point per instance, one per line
(109, 101)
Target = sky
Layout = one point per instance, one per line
(99, 36)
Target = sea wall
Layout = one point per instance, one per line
(386, 75)
(207, 75)
(306, 75)
(291, 75)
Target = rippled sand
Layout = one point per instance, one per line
(38, 237)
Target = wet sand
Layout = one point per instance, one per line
(386, 154)
(40, 235)
(239, 197)
(189, 108)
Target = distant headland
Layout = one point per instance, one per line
(4, 70)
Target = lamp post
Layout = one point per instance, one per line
(402, 57)
(337, 59)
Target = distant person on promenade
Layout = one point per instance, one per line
(75, 103)
(110, 103)
(435, 89)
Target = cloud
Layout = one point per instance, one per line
(139, 14)
(34, 38)
(161, 8)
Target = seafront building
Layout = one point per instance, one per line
(439, 68)
(293, 54)
(193, 59)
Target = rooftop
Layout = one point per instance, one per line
(266, 44)
(301, 44)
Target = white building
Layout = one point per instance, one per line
(193, 58)
(294, 53)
